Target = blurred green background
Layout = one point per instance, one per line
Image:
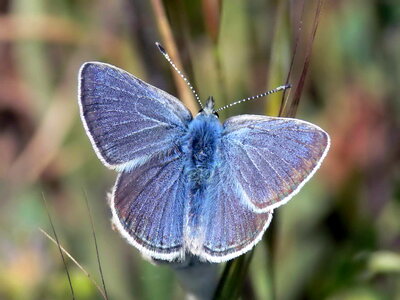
(339, 238)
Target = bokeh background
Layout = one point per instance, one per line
(339, 238)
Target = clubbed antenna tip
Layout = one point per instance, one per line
(161, 48)
(165, 54)
(279, 88)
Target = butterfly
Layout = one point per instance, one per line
(190, 185)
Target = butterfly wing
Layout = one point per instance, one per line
(148, 207)
(128, 121)
(272, 158)
(230, 227)
(262, 163)
(135, 128)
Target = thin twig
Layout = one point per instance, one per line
(59, 246)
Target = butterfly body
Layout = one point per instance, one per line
(192, 185)
(200, 146)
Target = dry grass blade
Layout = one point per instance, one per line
(95, 243)
(75, 262)
(170, 45)
(296, 44)
(292, 109)
(59, 247)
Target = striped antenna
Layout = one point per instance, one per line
(279, 88)
(163, 52)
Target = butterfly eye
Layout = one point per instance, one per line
(216, 114)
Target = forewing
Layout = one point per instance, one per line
(231, 228)
(127, 120)
(148, 207)
(272, 158)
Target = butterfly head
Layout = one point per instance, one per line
(208, 109)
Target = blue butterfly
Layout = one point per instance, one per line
(191, 185)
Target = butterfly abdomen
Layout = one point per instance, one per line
(200, 146)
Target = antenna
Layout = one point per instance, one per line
(279, 88)
(163, 52)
